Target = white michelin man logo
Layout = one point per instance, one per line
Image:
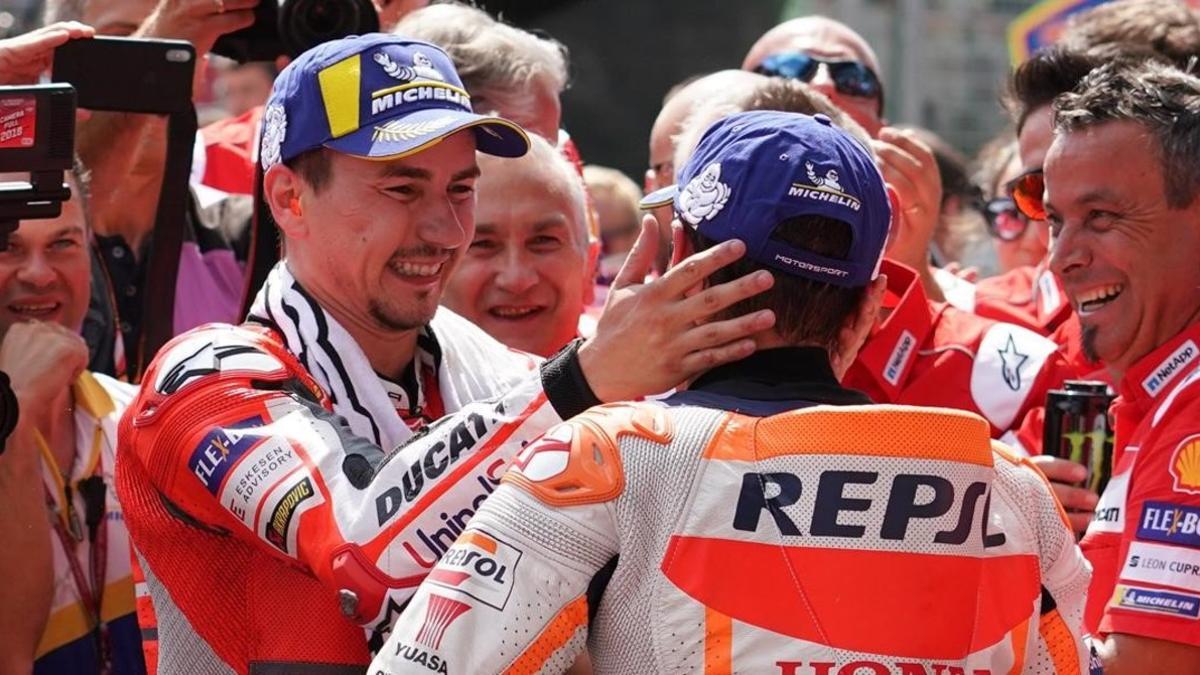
(704, 196)
(424, 67)
(274, 131)
(421, 67)
(829, 181)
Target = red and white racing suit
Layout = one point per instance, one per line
(761, 522)
(932, 354)
(261, 522)
(1144, 542)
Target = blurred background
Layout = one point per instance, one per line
(943, 60)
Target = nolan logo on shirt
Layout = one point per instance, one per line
(1170, 368)
(908, 500)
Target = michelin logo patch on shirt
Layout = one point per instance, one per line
(1170, 368)
(1153, 600)
(1170, 523)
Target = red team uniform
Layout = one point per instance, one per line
(933, 354)
(1144, 543)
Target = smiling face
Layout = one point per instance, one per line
(376, 244)
(529, 270)
(45, 274)
(1126, 259)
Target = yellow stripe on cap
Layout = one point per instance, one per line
(340, 84)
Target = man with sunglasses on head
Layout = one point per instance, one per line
(836, 61)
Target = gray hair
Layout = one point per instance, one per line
(1161, 98)
(497, 62)
(770, 93)
(63, 10)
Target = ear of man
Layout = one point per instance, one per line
(858, 326)
(283, 190)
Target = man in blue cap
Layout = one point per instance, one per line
(314, 463)
(766, 520)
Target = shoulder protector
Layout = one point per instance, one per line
(249, 356)
(578, 462)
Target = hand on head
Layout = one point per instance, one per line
(658, 331)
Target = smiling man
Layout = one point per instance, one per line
(323, 455)
(1122, 188)
(527, 275)
(72, 610)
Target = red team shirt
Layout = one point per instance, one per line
(1144, 543)
(1033, 297)
(932, 354)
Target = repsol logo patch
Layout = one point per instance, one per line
(909, 499)
(1170, 367)
(480, 565)
(437, 459)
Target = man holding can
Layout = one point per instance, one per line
(1121, 199)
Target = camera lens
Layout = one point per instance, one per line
(304, 24)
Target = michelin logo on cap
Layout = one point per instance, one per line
(704, 196)
(825, 188)
(274, 131)
(422, 81)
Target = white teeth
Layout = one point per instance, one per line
(512, 312)
(1098, 297)
(33, 309)
(416, 270)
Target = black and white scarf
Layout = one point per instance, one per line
(473, 366)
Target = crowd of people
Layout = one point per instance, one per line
(479, 406)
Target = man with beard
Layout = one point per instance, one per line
(1121, 197)
(325, 454)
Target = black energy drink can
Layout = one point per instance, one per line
(1077, 428)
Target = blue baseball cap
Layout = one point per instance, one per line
(753, 170)
(376, 96)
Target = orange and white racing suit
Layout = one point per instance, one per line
(747, 525)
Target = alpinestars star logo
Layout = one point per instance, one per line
(1011, 363)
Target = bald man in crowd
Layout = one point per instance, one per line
(529, 271)
(678, 104)
(839, 63)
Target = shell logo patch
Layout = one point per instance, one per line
(1185, 466)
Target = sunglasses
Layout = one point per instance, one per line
(1026, 193)
(1004, 220)
(852, 78)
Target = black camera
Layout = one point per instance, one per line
(292, 27)
(37, 136)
